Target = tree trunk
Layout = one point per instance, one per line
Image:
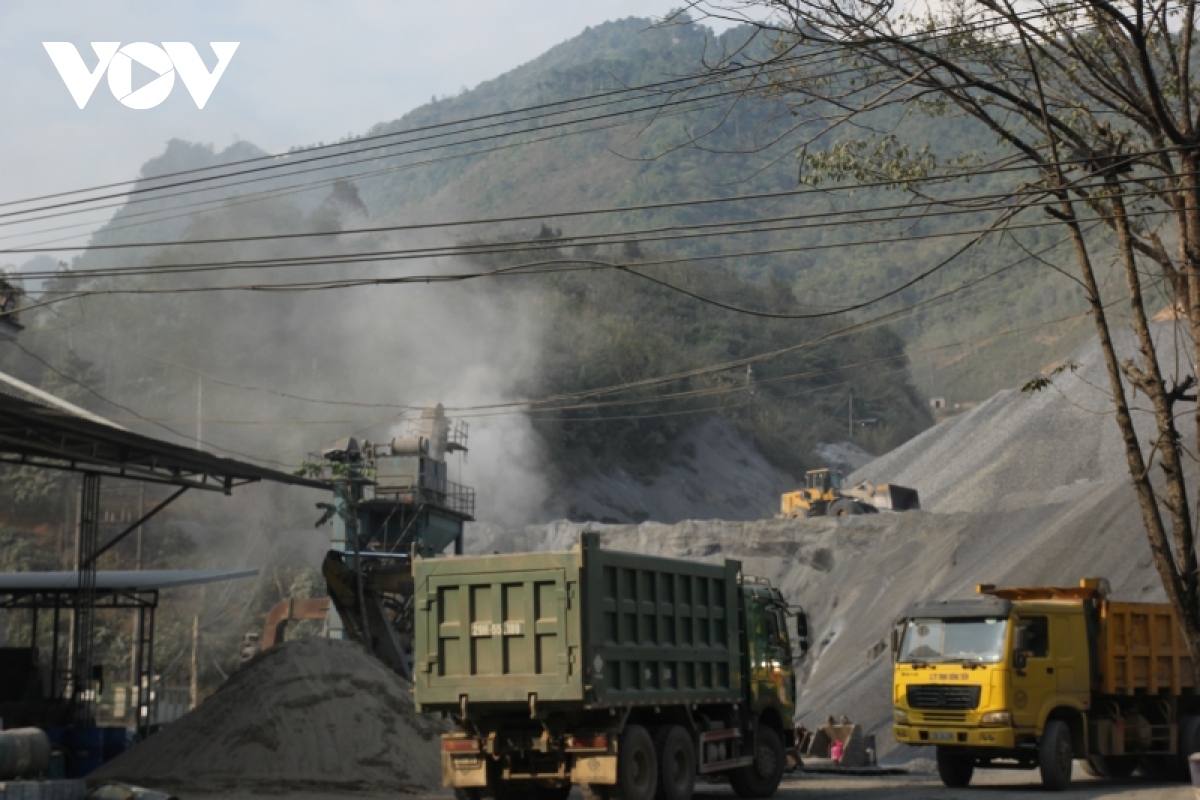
(1178, 574)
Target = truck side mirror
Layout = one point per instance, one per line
(1019, 659)
(897, 632)
(802, 625)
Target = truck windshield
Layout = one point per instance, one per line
(941, 640)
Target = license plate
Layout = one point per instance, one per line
(942, 736)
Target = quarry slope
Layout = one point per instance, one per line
(712, 470)
(1026, 489)
(1020, 449)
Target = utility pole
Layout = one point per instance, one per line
(199, 406)
(134, 693)
(195, 691)
(851, 422)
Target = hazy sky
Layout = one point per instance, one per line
(305, 71)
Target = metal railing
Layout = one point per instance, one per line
(456, 497)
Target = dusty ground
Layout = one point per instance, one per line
(989, 785)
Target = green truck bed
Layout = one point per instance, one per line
(590, 628)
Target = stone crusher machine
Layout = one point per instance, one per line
(390, 500)
(825, 495)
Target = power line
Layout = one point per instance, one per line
(570, 264)
(92, 391)
(806, 220)
(772, 64)
(353, 146)
(578, 240)
(757, 358)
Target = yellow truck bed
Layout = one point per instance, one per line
(1141, 650)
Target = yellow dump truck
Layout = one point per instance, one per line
(1038, 677)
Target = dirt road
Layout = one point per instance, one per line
(988, 785)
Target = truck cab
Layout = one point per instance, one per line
(770, 654)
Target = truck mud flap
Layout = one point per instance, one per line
(594, 769)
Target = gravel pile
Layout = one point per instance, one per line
(312, 715)
(1018, 450)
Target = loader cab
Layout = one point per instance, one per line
(824, 480)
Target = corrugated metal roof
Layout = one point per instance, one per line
(36, 434)
(118, 580)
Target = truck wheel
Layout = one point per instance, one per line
(761, 778)
(1055, 756)
(955, 769)
(637, 766)
(676, 763)
(843, 507)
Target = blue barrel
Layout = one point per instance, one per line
(86, 746)
(115, 742)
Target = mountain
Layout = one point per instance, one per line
(275, 375)
(963, 348)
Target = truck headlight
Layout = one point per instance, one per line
(997, 719)
(899, 716)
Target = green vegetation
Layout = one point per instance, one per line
(610, 328)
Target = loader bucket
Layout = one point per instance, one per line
(897, 498)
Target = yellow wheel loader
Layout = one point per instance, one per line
(824, 495)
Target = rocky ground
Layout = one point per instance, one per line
(994, 785)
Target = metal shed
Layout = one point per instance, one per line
(58, 594)
(48, 433)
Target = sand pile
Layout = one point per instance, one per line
(311, 715)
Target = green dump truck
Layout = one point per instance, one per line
(628, 674)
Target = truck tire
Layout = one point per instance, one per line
(955, 769)
(637, 766)
(676, 763)
(1055, 756)
(761, 778)
(843, 507)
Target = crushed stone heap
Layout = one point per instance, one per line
(313, 715)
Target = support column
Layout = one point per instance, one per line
(145, 696)
(83, 628)
(345, 493)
